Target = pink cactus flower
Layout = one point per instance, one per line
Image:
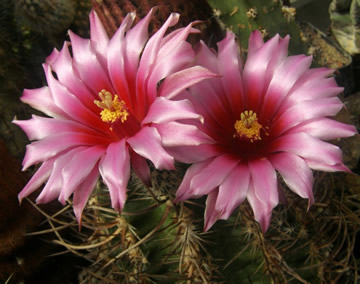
(269, 116)
(107, 112)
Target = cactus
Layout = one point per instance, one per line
(159, 242)
(270, 17)
(345, 24)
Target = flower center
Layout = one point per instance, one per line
(113, 108)
(248, 126)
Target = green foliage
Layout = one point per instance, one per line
(268, 16)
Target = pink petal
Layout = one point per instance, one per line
(264, 183)
(315, 89)
(283, 79)
(53, 56)
(255, 69)
(277, 60)
(88, 66)
(98, 37)
(152, 48)
(211, 214)
(177, 82)
(193, 154)
(40, 176)
(44, 149)
(308, 147)
(54, 185)
(163, 110)
(213, 175)
(210, 104)
(41, 99)
(311, 77)
(63, 66)
(176, 61)
(140, 168)
(78, 169)
(296, 173)
(116, 59)
(147, 143)
(135, 42)
(230, 66)
(325, 129)
(306, 110)
(148, 58)
(323, 166)
(184, 192)
(39, 127)
(206, 57)
(70, 103)
(83, 192)
(262, 214)
(233, 191)
(115, 170)
(255, 42)
(174, 54)
(176, 37)
(178, 134)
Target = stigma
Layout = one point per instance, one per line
(248, 126)
(113, 108)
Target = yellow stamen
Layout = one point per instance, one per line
(248, 126)
(113, 109)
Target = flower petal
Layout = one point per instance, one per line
(54, 185)
(262, 214)
(283, 79)
(38, 178)
(46, 148)
(174, 55)
(211, 214)
(98, 37)
(41, 99)
(116, 60)
(78, 169)
(115, 170)
(264, 183)
(178, 134)
(230, 66)
(193, 154)
(255, 42)
(210, 104)
(140, 168)
(70, 103)
(39, 127)
(147, 62)
(135, 42)
(233, 191)
(83, 192)
(319, 128)
(179, 81)
(296, 174)
(63, 66)
(255, 71)
(213, 175)
(305, 110)
(323, 166)
(184, 192)
(147, 143)
(88, 65)
(308, 147)
(163, 110)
